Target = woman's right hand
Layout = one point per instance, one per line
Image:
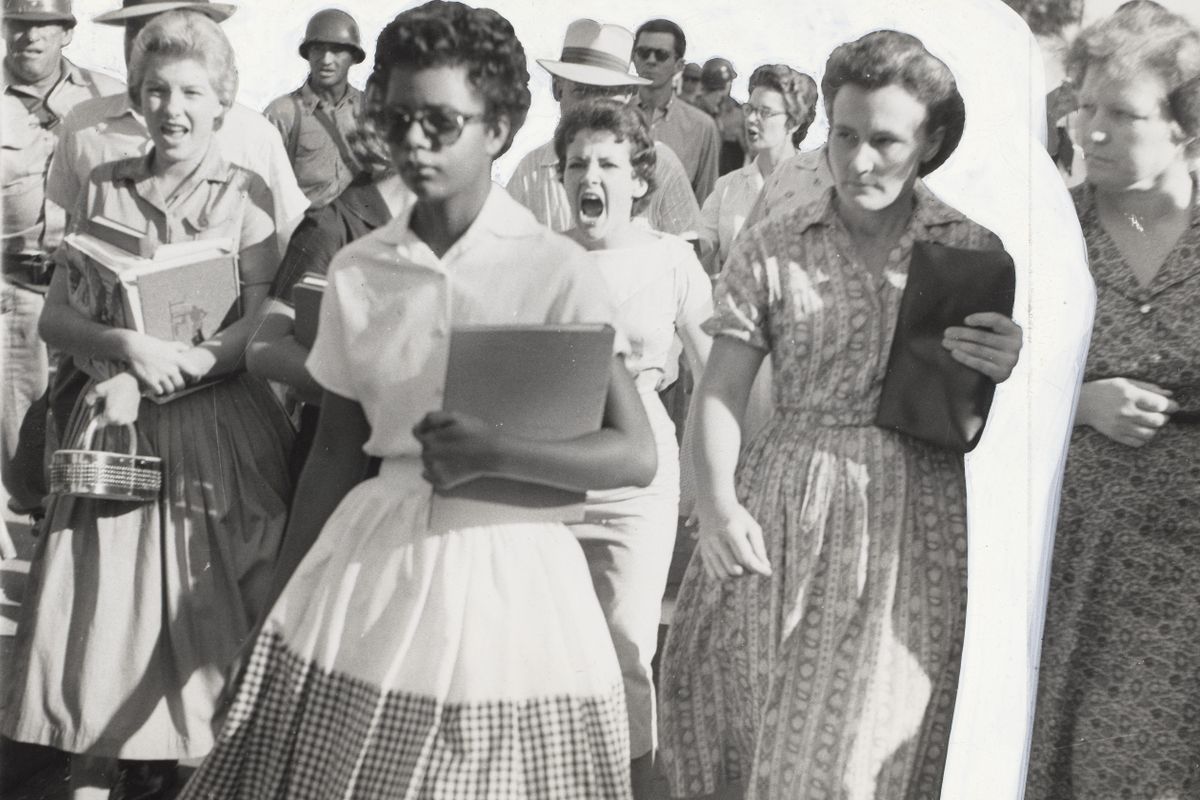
(1125, 410)
(157, 363)
(731, 542)
(120, 397)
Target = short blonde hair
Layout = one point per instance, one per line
(185, 35)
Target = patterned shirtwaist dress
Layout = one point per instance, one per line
(836, 676)
(1118, 704)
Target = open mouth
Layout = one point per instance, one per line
(591, 206)
(172, 132)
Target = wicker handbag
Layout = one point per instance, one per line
(104, 475)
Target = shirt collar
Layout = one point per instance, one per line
(929, 212)
(68, 72)
(649, 111)
(501, 217)
(212, 168)
(311, 99)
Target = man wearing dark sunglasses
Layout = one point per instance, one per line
(658, 51)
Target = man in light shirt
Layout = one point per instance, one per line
(40, 87)
(595, 63)
(658, 51)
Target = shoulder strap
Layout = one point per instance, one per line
(336, 135)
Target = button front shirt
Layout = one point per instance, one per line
(109, 129)
(387, 312)
(726, 209)
(315, 134)
(692, 135)
(671, 209)
(27, 142)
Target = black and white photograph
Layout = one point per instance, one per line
(701, 400)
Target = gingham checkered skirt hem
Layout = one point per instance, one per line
(299, 731)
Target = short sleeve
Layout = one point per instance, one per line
(327, 361)
(741, 299)
(310, 249)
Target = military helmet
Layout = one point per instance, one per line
(716, 73)
(40, 11)
(333, 26)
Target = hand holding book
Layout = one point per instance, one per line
(457, 448)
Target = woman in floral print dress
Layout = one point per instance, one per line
(1118, 705)
(817, 636)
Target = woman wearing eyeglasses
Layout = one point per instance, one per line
(401, 661)
(783, 103)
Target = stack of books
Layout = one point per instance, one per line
(183, 292)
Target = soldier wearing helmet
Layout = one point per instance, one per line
(40, 87)
(716, 79)
(316, 119)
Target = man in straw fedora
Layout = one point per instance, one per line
(595, 63)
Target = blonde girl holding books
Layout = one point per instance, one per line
(607, 160)
(134, 610)
(401, 661)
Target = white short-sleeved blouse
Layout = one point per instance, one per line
(386, 316)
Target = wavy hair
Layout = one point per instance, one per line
(451, 34)
(1143, 37)
(891, 58)
(799, 92)
(188, 35)
(625, 123)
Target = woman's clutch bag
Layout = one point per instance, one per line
(926, 393)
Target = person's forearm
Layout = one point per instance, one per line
(64, 328)
(718, 442)
(607, 459)
(283, 360)
(225, 351)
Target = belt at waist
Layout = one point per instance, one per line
(825, 417)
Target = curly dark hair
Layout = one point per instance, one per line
(1139, 37)
(891, 58)
(799, 93)
(625, 123)
(451, 34)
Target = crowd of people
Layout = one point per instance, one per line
(285, 614)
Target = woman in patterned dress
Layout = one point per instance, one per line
(134, 610)
(401, 661)
(661, 292)
(1118, 703)
(817, 635)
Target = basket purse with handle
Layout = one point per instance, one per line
(105, 475)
